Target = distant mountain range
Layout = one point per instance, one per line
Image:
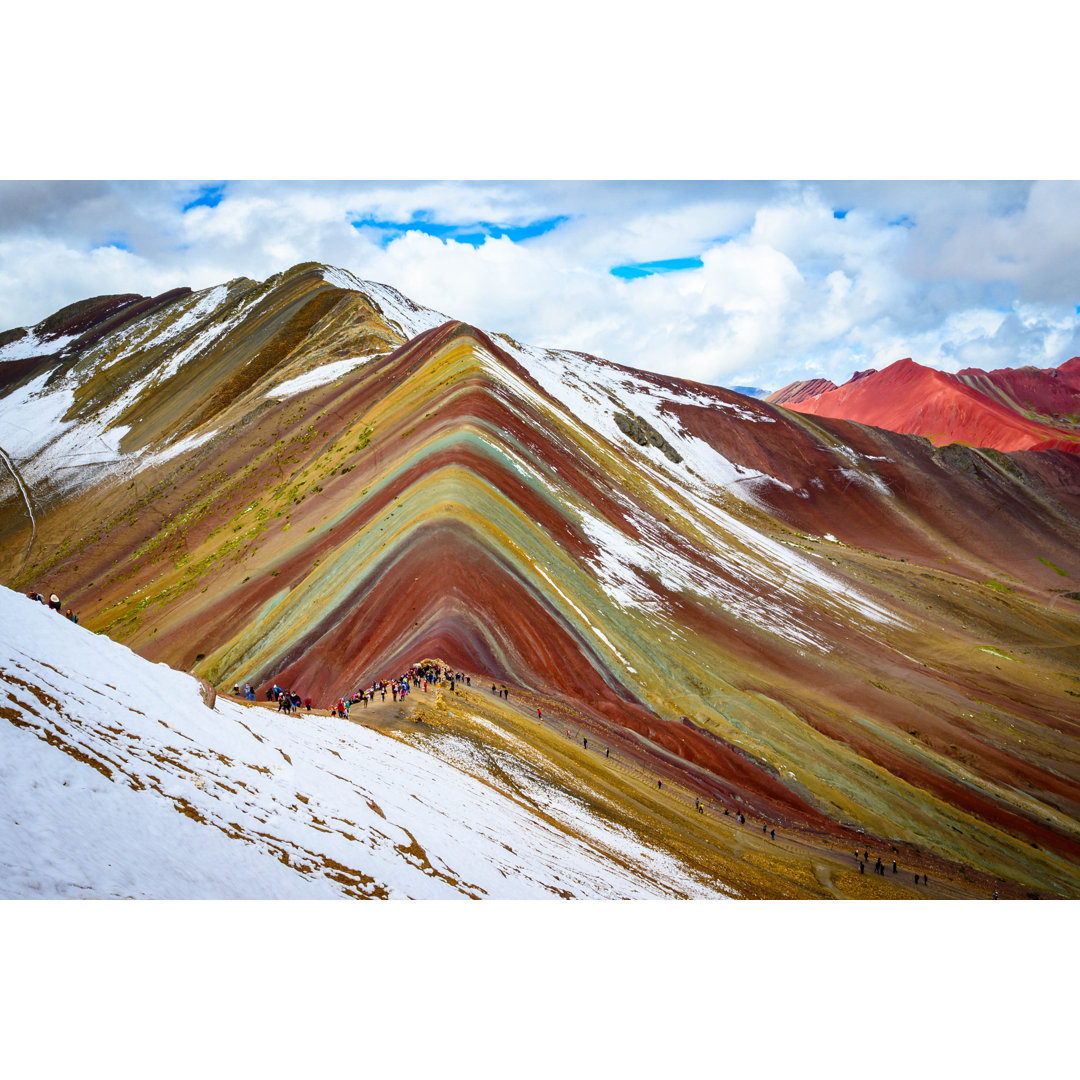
(1009, 409)
(750, 391)
(843, 631)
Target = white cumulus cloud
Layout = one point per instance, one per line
(795, 279)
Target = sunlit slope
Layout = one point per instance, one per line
(835, 626)
(150, 378)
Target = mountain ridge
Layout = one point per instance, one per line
(1007, 410)
(802, 616)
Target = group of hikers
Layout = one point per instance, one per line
(286, 699)
(418, 677)
(54, 604)
(427, 675)
(879, 867)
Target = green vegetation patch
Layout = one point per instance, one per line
(1056, 569)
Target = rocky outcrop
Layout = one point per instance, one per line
(644, 434)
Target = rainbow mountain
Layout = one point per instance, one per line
(844, 632)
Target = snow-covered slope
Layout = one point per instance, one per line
(410, 318)
(116, 780)
(86, 410)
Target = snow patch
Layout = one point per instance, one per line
(396, 308)
(592, 392)
(181, 446)
(319, 376)
(32, 345)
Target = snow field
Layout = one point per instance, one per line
(270, 805)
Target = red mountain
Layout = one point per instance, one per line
(1051, 392)
(1009, 409)
(800, 391)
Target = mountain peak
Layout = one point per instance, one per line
(800, 390)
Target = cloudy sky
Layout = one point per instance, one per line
(726, 282)
(737, 281)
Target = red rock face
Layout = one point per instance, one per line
(1053, 393)
(1005, 410)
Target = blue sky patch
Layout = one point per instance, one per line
(473, 234)
(840, 214)
(117, 240)
(904, 221)
(661, 266)
(209, 195)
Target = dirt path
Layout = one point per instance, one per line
(17, 477)
(769, 862)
